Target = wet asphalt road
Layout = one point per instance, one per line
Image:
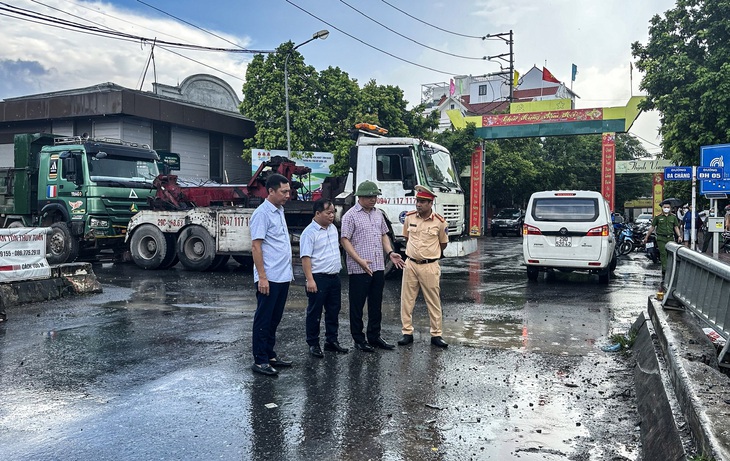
(157, 367)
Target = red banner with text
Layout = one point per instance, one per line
(608, 173)
(475, 202)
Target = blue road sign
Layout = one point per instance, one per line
(715, 157)
(705, 173)
(678, 173)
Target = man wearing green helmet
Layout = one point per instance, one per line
(364, 238)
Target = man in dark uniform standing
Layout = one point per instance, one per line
(666, 226)
(426, 234)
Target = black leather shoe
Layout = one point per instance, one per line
(279, 362)
(316, 351)
(365, 347)
(380, 342)
(406, 339)
(437, 341)
(335, 347)
(264, 369)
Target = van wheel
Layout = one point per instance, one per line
(613, 263)
(195, 248)
(604, 277)
(61, 246)
(532, 273)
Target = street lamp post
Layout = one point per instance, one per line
(323, 34)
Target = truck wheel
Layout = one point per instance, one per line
(171, 258)
(149, 247)
(219, 262)
(532, 273)
(390, 269)
(195, 248)
(245, 261)
(61, 247)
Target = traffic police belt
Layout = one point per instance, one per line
(667, 236)
(423, 261)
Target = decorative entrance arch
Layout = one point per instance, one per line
(552, 118)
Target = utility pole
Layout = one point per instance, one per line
(508, 37)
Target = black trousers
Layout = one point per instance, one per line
(269, 310)
(364, 287)
(328, 296)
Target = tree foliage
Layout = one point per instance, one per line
(686, 62)
(323, 107)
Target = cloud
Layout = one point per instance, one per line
(66, 59)
(21, 76)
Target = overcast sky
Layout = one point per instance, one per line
(596, 35)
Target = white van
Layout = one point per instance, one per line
(568, 231)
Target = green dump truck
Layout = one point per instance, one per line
(84, 189)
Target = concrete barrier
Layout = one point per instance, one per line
(702, 391)
(65, 280)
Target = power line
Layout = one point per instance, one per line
(367, 44)
(483, 58)
(191, 24)
(39, 18)
(484, 37)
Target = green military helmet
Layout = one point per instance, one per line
(367, 189)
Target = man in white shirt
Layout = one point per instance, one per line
(319, 250)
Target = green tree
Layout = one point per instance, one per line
(323, 107)
(686, 62)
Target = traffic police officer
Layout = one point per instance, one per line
(666, 226)
(426, 235)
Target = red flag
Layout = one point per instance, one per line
(549, 77)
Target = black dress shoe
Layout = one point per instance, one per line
(365, 347)
(279, 362)
(335, 347)
(380, 342)
(406, 339)
(264, 369)
(316, 351)
(437, 341)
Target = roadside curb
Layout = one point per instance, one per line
(65, 280)
(703, 392)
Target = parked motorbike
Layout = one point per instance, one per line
(725, 248)
(652, 250)
(625, 240)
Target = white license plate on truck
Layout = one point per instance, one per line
(563, 241)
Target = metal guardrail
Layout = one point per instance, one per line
(702, 285)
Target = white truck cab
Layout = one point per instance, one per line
(397, 165)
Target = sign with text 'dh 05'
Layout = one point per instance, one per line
(715, 157)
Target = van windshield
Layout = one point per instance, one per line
(571, 209)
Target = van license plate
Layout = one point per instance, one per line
(563, 241)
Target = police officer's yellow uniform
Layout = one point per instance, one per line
(422, 270)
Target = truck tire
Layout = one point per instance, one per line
(219, 262)
(195, 248)
(61, 246)
(149, 247)
(171, 258)
(245, 261)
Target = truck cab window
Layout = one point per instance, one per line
(389, 166)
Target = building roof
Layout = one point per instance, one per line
(108, 99)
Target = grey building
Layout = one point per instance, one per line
(198, 119)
